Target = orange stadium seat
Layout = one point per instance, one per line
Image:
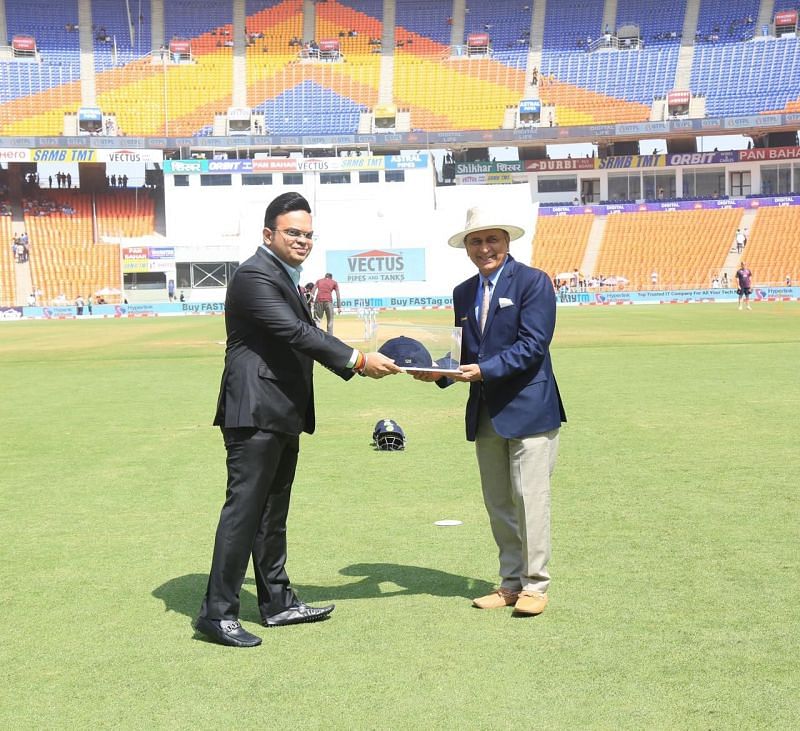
(64, 257)
(686, 249)
(772, 252)
(8, 277)
(560, 242)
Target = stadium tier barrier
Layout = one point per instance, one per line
(444, 302)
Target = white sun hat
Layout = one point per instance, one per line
(479, 219)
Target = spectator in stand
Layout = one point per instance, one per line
(323, 300)
(744, 278)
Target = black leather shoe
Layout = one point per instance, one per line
(298, 613)
(226, 632)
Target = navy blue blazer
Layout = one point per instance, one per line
(513, 352)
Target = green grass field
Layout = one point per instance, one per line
(675, 594)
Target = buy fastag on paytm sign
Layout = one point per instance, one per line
(377, 265)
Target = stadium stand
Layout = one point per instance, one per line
(119, 38)
(685, 250)
(738, 71)
(72, 269)
(207, 23)
(48, 23)
(508, 23)
(8, 279)
(309, 108)
(773, 248)
(605, 85)
(736, 75)
(560, 242)
(742, 78)
(124, 213)
(721, 21)
(426, 19)
(660, 24)
(64, 257)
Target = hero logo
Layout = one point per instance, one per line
(14, 155)
(125, 156)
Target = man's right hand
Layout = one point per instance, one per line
(378, 366)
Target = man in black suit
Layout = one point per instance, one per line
(266, 400)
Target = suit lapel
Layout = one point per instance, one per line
(472, 293)
(293, 295)
(501, 288)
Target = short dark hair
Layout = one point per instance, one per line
(284, 203)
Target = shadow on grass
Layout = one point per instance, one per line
(183, 594)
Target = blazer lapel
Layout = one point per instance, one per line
(501, 288)
(473, 293)
(297, 301)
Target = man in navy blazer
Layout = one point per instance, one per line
(266, 400)
(507, 313)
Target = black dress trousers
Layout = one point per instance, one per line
(261, 468)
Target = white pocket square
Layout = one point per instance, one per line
(505, 302)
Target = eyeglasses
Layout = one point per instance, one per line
(294, 234)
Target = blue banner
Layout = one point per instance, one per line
(530, 106)
(593, 297)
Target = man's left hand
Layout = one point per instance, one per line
(468, 373)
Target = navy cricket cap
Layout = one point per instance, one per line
(447, 362)
(407, 352)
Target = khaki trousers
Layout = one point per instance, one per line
(515, 479)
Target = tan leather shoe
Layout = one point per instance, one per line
(501, 597)
(530, 602)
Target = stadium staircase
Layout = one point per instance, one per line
(386, 83)
(731, 263)
(594, 243)
(8, 278)
(24, 283)
(765, 13)
(609, 14)
(683, 71)
(535, 51)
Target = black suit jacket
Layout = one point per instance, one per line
(271, 348)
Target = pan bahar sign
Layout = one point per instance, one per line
(377, 265)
